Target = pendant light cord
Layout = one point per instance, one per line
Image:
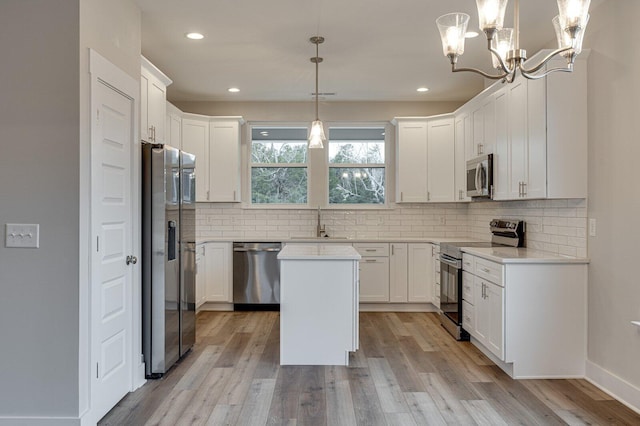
(317, 60)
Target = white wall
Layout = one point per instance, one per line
(614, 198)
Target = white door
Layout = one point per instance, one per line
(112, 225)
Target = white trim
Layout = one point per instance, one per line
(617, 387)
(102, 71)
(40, 421)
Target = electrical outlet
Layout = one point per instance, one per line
(592, 227)
(22, 235)
(443, 220)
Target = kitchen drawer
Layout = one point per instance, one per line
(468, 317)
(467, 287)
(372, 249)
(488, 270)
(468, 262)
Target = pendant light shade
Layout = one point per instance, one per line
(316, 135)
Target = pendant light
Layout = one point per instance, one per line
(504, 43)
(316, 136)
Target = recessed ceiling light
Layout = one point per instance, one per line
(233, 89)
(194, 36)
(471, 34)
(423, 89)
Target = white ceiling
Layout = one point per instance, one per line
(374, 50)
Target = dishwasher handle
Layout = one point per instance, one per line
(243, 249)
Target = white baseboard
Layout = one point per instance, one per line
(39, 421)
(615, 386)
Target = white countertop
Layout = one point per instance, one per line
(434, 240)
(320, 252)
(521, 255)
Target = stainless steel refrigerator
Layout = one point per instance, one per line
(168, 256)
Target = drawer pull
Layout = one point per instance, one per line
(370, 261)
(485, 270)
(369, 250)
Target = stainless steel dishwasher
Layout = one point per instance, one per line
(256, 276)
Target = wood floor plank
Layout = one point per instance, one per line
(387, 386)
(509, 407)
(424, 409)
(205, 360)
(483, 413)
(516, 389)
(340, 411)
(415, 355)
(312, 409)
(590, 390)
(400, 419)
(553, 399)
(449, 405)
(365, 398)
(224, 414)
(255, 409)
(455, 380)
(232, 350)
(284, 404)
(206, 397)
(171, 409)
(396, 325)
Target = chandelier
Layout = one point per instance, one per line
(316, 135)
(504, 43)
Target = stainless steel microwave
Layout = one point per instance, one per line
(480, 177)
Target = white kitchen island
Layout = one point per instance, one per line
(318, 304)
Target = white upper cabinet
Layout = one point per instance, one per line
(411, 161)
(483, 123)
(195, 140)
(153, 98)
(463, 144)
(215, 141)
(174, 126)
(425, 152)
(440, 160)
(224, 159)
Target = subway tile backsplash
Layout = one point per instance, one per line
(558, 226)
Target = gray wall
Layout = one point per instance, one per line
(44, 170)
(39, 141)
(614, 197)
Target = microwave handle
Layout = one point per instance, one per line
(478, 168)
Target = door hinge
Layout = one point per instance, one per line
(98, 115)
(97, 370)
(98, 244)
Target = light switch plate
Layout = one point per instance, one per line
(25, 235)
(592, 227)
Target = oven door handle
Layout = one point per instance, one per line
(451, 261)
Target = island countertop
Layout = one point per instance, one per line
(318, 251)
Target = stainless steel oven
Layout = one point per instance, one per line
(504, 232)
(450, 295)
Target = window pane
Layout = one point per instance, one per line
(278, 145)
(356, 145)
(356, 185)
(279, 185)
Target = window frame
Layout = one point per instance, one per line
(360, 206)
(318, 167)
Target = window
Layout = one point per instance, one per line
(356, 165)
(278, 165)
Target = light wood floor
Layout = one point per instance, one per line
(408, 371)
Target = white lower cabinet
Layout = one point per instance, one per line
(398, 273)
(214, 273)
(489, 315)
(421, 273)
(530, 317)
(374, 271)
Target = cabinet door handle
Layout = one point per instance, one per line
(485, 270)
(524, 189)
(401, 196)
(392, 249)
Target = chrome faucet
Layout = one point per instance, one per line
(320, 229)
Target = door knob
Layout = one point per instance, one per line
(132, 259)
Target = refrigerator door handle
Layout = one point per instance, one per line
(173, 242)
